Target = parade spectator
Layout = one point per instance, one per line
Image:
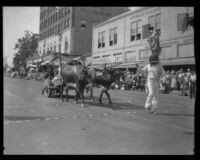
(134, 82)
(177, 83)
(162, 85)
(173, 81)
(192, 85)
(168, 81)
(188, 74)
(142, 83)
(181, 81)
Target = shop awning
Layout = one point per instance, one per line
(126, 65)
(175, 62)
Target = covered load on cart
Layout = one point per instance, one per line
(53, 78)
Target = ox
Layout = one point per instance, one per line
(74, 76)
(106, 77)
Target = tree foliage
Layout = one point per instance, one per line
(26, 48)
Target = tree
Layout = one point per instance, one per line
(26, 48)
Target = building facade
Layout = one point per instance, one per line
(69, 29)
(124, 38)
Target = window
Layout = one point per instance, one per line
(65, 24)
(51, 19)
(155, 22)
(133, 30)
(66, 11)
(158, 21)
(59, 47)
(113, 36)
(136, 30)
(57, 14)
(56, 27)
(54, 46)
(190, 22)
(62, 13)
(54, 17)
(66, 44)
(61, 25)
(101, 39)
(68, 22)
(47, 47)
(51, 47)
(152, 21)
(52, 30)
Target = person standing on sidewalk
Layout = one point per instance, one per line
(192, 85)
(154, 72)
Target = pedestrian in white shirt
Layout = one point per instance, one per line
(192, 85)
(154, 72)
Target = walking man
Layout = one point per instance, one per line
(154, 72)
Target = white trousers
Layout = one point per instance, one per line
(153, 91)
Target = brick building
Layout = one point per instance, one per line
(69, 29)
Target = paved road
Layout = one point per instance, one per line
(35, 124)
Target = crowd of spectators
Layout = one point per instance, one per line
(183, 82)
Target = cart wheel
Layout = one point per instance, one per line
(49, 92)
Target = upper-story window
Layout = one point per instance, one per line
(185, 21)
(190, 23)
(155, 22)
(66, 44)
(66, 11)
(62, 12)
(113, 36)
(101, 39)
(136, 30)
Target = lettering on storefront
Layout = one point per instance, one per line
(146, 13)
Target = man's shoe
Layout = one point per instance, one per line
(153, 111)
(148, 110)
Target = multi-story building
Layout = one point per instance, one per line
(123, 38)
(69, 29)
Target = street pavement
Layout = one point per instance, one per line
(36, 124)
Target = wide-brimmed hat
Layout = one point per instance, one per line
(153, 58)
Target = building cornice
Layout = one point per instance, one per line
(120, 16)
